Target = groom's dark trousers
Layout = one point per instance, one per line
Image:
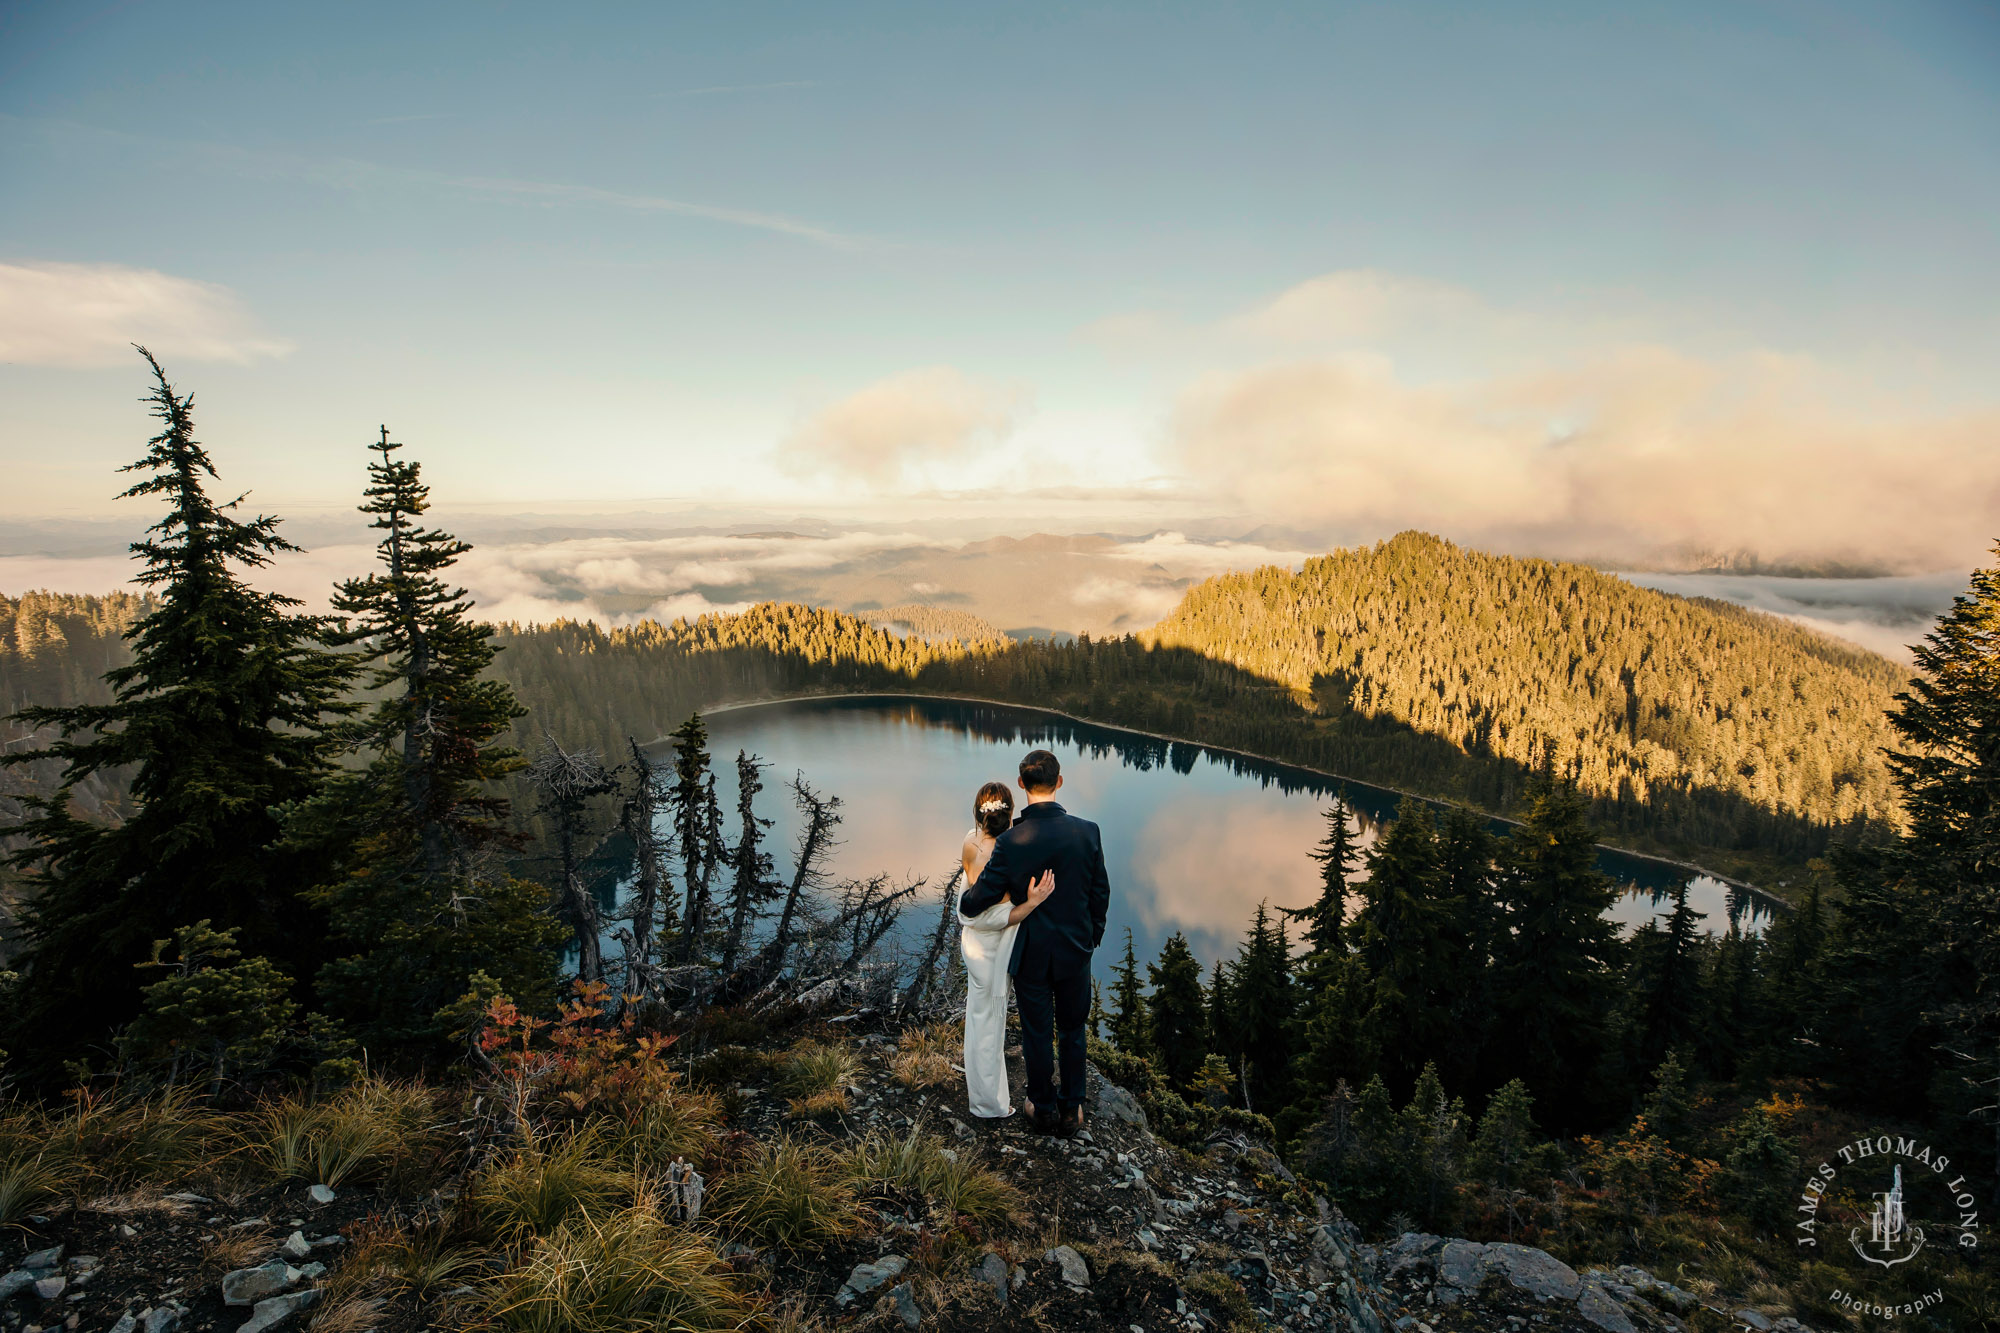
(1052, 949)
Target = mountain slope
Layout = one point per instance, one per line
(1639, 695)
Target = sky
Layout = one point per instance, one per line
(1575, 279)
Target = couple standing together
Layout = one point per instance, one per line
(1031, 916)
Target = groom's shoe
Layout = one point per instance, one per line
(1045, 1119)
(1069, 1123)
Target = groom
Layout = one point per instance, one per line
(1051, 962)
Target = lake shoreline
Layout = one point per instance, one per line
(1763, 895)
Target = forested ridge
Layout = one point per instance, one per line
(1691, 727)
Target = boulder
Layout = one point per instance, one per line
(867, 1277)
(127, 1322)
(1462, 1266)
(161, 1319)
(275, 1310)
(1114, 1103)
(1597, 1306)
(48, 1258)
(1536, 1272)
(1751, 1319)
(295, 1246)
(905, 1298)
(1074, 1271)
(321, 1194)
(49, 1288)
(993, 1272)
(247, 1286)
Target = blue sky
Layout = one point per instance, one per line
(864, 256)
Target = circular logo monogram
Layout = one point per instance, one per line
(1884, 1200)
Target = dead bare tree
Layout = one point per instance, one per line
(927, 966)
(815, 846)
(650, 848)
(751, 885)
(568, 782)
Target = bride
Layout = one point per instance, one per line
(987, 941)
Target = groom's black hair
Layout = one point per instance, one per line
(1039, 770)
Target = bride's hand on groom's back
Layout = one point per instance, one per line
(1040, 888)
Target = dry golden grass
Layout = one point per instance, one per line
(813, 1078)
(547, 1182)
(231, 1250)
(369, 1130)
(924, 1056)
(355, 1314)
(952, 1181)
(629, 1271)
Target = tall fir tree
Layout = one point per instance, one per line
(223, 715)
(1665, 983)
(1176, 1023)
(1261, 1005)
(1558, 957)
(1127, 1019)
(1405, 937)
(1338, 857)
(690, 804)
(410, 875)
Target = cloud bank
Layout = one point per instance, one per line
(78, 315)
(1621, 455)
(898, 424)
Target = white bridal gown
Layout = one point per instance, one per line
(987, 942)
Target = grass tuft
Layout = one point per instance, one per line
(951, 1181)
(814, 1076)
(790, 1194)
(625, 1272)
(365, 1131)
(923, 1056)
(548, 1182)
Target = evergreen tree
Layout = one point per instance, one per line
(1405, 937)
(215, 1015)
(223, 714)
(569, 782)
(1128, 1004)
(1556, 966)
(1261, 1004)
(1222, 1035)
(1431, 1130)
(1669, 1107)
(1338, 857)
(1664, 981)
(1500, 1150)
(415, 901)
(1947, 771)
(1176, 1024)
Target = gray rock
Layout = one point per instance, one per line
(321, 1194)
(48, 1258)
(906, 1305)
(1761, 1323)
(162, 1319)
(248, 1223)
(295, 1246)
(1462, 1264)
(1019, 1277)
(993, 1272)
(126, 1322)
(312, 1272)
(325, 1241)
(1114, 1103)
(247, 1286)
(1536, 1272)
(1604, 1312)
(83, 1263)
(867, 1277)
(1074, 1270)
(277, 1309)
(18, 1281)
(48, 1288)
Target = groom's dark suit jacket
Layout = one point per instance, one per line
(1057, 938)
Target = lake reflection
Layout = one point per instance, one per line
(1194, 839)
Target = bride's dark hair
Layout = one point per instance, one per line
(996, 821)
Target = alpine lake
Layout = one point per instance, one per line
(1194, 838)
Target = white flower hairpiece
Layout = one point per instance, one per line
(987, 807)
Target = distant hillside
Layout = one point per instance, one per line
(55, 649)
(936, 624)
(1638, 694)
